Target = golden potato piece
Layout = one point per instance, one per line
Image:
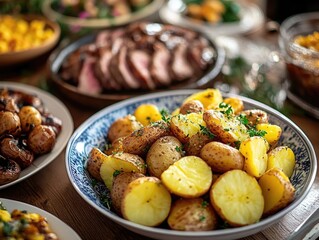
(185, 126)
(237, 198)
(120, 183)
(283, 158)
(193, 214)
(222, 157)
(123, 127)
(141, 140)
(120, 162)
(227, 128)
(163, 153)
(210, 98)
(273, 133)
(277, 190)
(29, 118)
(146, 201)
(191, 106)
(147, 113)
(236, 104)
(254, 150)
(189, 177)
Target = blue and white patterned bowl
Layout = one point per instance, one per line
(92, 133)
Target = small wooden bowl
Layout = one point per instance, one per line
(11, 58)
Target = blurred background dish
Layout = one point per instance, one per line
(299, 43)
(25, 37)
(238, 17)
(95, 71)
(89, 14)
(62, 230)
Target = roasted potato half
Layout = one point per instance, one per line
(123, 127)
(120, 162)
(192, 215)
(189, 177)
(185, 126)
(236, 104)
(163, 153)
(273, 133)
(191, 106)
(237, 198)
(282, 157)
(93, 165)
(277, 190)
(141, 140)
(227, 128)
(222, 157)
(146, 201)
(119, 185)
(254, 150)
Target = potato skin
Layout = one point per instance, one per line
(268, 188)
(41, 139)
(9, 171)
(140, 140)
(94, 162)
(255, 116)
(120, 183)
(192, 215)
(115, 147)
(222, 157)
(123, 127)
(196, 143)
(163, 153)
(192, 106)
(227, 130)
(29, 117)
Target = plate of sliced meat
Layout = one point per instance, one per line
(143, 57)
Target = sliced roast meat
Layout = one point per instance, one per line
(160, 65)
(140, 61)
(121, 72)
(102, 70)
(181, 68)
(103, 38)
(88, 83)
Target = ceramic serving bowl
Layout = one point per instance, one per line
(16, 57)
(92, 133)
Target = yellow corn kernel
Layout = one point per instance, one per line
(5, 215)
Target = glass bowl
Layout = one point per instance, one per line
(302, 63)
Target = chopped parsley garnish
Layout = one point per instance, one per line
(179, 149)
(202, 218)
(204, 130)
(116, 172)
(228, 109)
(237, 144)
(165, 115)
(204, 204)
(243, 119)
(253, 132)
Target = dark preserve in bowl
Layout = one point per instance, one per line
(135, 59)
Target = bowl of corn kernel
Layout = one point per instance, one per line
(299, 43)
(24, 37)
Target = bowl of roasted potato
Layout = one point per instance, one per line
(191, 164)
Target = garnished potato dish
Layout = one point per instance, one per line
(27, 131)
(18, 34)
(210, 163)
(24, 225)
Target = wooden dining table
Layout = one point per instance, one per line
(50, 189)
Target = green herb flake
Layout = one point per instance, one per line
(204, 204)
(116, 172)
(202, 218)
(204, 130)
